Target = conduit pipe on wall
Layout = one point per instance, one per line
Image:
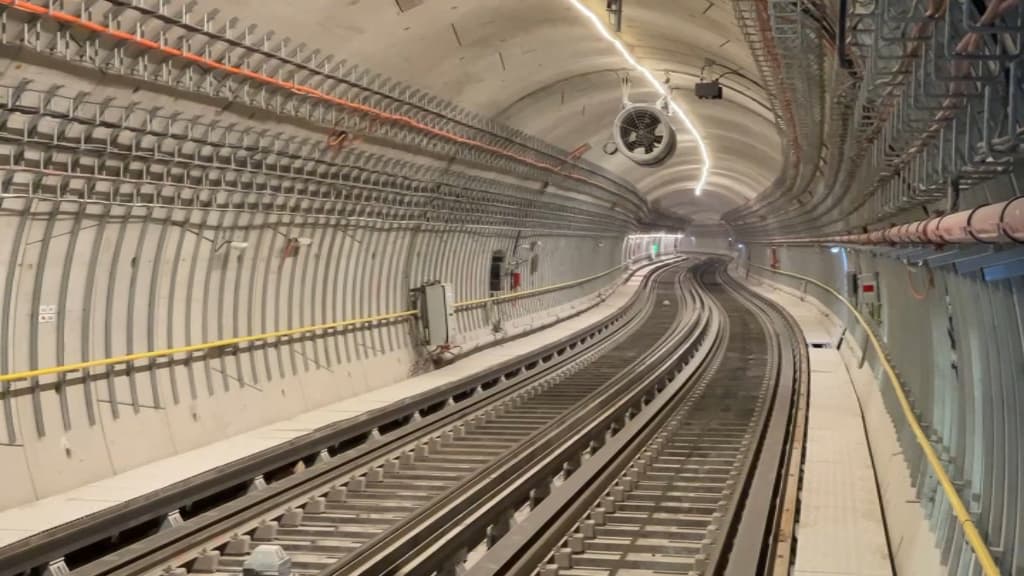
(998, 223)
(562, 168)
(302, 331)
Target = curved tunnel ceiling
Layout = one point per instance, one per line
(537, 65)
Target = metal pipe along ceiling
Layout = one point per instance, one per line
(998, 223)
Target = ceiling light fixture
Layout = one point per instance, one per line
(706, 168)
(658, 235)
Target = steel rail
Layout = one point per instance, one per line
(525, 548)
(763, 520)
(963, 516)
(780, 542)
(55, 543)
(742, 542)
(216, 528)
(433, 540)
(533, 540)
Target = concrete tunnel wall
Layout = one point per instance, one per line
(146, 265)
(956, 342)
(200, 186)
(147, 205)
(131, 280)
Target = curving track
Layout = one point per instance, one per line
(344, 503)
(670, 512)
(633, 456)
(685, 494)
(442, 535)
(395, 497)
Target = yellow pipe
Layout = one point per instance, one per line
(197, 347)
(971, 533)
(127, 358)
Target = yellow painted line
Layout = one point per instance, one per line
(168, 352)
(971, 533)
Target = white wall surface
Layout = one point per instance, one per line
(955, 341)
(150, 220)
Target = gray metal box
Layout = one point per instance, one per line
(708, 90)
(437, 313)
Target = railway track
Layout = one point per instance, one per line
(635, 456)
(131, 528)
(331, 512)
(667, 514)
(444, 536)
(685, 495)
(353, 517)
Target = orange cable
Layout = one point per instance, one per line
(66, 18)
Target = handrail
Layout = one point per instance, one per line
(971, 533)
(197, 347)
(57, 542)
(536, 291)
(202, 346)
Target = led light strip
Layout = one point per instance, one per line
(678, 110)
(121, 36)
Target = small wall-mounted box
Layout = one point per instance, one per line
(435, 302)
(708, 90)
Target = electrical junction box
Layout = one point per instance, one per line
(436, 305)
(708, 90)
(867, 288)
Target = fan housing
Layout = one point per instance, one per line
(644, 135)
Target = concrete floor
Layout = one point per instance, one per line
(858, 514)
(841, 531)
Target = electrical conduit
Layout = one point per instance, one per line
(999, 223)
(71, 19)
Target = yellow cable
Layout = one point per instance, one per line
(971, 533)
(127, 358)
(197, 347)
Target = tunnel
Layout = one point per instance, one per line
(525, 287)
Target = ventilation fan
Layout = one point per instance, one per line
(644, 135)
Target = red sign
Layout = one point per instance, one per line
(868, 288)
